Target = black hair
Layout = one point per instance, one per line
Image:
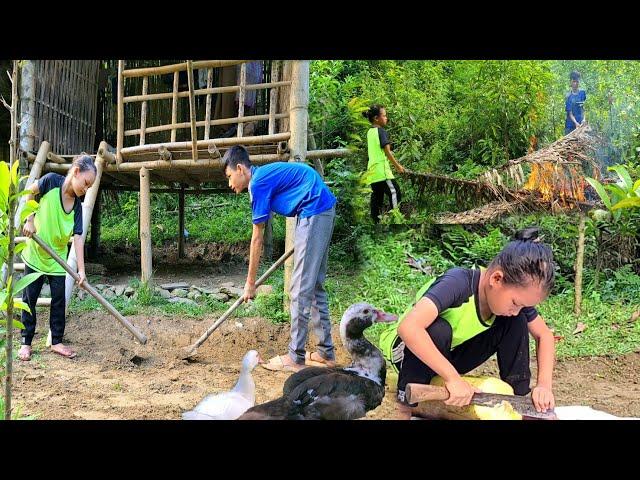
(84, 162)
(525, 259)
(234, 156)
(575, 75)
(373, 112)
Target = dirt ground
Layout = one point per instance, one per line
(114, 377)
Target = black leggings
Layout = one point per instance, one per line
(508, 337)
(56, 317)
(389, 188)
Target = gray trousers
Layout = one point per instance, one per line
(307, 294)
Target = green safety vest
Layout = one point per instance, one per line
(378, 168)
(464, 322)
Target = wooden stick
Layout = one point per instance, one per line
(201, 123)
(103, 151)
(192, 111)
(139, 336)
(241, 97)
(145, 227)
(207, 116)
(273, 96)
(120, 132)
(329, 153)
(179, 67)
(188, 191)
(174, 104)
(143, 110)
(192, 349)
(205, 91)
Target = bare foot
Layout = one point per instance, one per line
(24, 353)
(63, 350)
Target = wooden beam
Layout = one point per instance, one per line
(189, 191)
(207, 115)
(145, 227)
(273, 97)
(52, 157)
(143, 110)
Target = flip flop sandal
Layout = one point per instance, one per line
(318, 363)
(277, 365)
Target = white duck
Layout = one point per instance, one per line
(229, 405)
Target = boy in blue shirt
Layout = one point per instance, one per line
(574, 104)
(293, 190)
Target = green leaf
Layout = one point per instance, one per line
(623, 174)
(29, 208)
(25, 281)
(636, 187)
(14, 172)
(20, 194)
(4, 185)
(19, 248)
(19, 304)
(627, 203)
(616, 190)
(600, 190)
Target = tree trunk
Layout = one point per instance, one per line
(577, 307)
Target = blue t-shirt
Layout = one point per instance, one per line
(574, 104)
(289, 189)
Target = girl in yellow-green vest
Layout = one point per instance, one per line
(59, 216)
(463, 317)
(378, 174)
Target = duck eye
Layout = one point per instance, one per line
(367, 311)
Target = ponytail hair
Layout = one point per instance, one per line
(526, 260)
(373, 112)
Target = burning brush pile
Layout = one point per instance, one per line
(552, 178)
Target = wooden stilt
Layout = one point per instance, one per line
(298, 117)
(181, 222)
(145, 227)
(96, 222)
(241, 97)
(192, 111)
(120, 130)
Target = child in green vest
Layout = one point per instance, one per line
(59, 216)
(378, 174)
(463, 317)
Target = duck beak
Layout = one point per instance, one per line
(384, 317)
(260, 361)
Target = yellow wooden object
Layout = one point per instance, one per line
(472, 412)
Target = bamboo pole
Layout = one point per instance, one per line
(34, 175)
(298, 117)
(52, 157)
(87, 211)
(204, 91)
(273, 96)
(577, 306)
(181, 223)
(143, 110)
(120, 132)
(192, 111)
(187, 191)
(241, 97)
(329, 153)
(179, 67)
(202, 123)
(207, 116)
(209, 163)
(174, 105)
(219, 142)
(145, 227)
(96, 223)
(107, 156)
